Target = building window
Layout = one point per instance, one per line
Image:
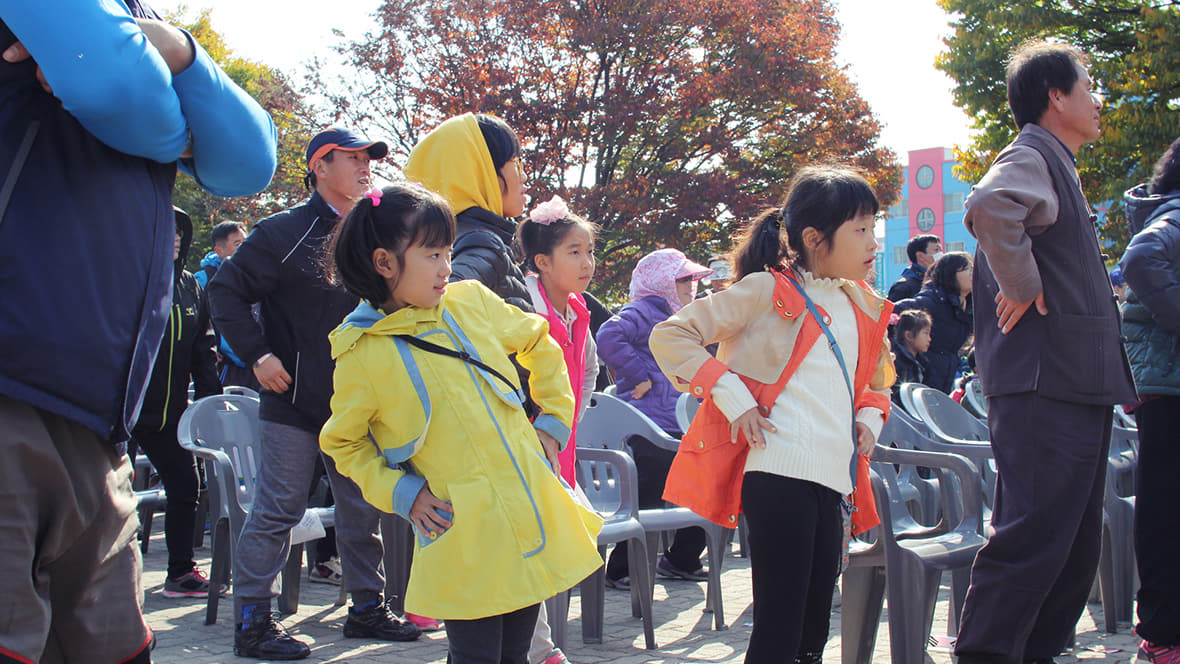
(956, 246)
(900, 257)
(925, 177)
(925, 220)
(953, 203)
(900, 209)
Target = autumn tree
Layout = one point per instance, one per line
(1135, 64)
(666, 122)
(292, 120)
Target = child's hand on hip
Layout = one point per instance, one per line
(865, 440)
(422, 512)
(751, 424)
(551, 447)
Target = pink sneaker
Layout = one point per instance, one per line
(425, 624)
(557, 657)
(1152, 654)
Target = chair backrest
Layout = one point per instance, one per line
(239, 390)
(225, 429)
(1122, 462)
(686, 409)
(609, 422)
(1124, 419)
(608, 479)
(974, 400)
(946, 419)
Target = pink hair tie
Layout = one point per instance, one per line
(374, 195)
(550, 211)
(893, 318)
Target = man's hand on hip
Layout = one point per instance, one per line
(1009, 311)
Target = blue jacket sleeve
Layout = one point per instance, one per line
(234, 139)
(105, 72)
(1147, 266)
(623, 346)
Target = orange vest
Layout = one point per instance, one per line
(706, 475)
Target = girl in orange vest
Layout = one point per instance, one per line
(796, 396)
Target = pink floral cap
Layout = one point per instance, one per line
(657, 273)
(550, 211)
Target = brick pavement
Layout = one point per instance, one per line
(683, 632)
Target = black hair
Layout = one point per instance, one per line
(920, 243)
(502, 142)
(407, 215)
(225, 229)
(1035, 68)
(1166, 176)
(533, 238)
(309, 179)
(910, 322)
(944, 273)
(820, 197)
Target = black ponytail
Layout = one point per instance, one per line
(761, 246)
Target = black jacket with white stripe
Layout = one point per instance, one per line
(280, 266)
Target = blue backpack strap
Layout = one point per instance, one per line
(843, 367)
(399, 454)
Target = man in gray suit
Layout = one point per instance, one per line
(1051, 360)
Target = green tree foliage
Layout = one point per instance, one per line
(667, 122)
(1135, 63)
(292, 120)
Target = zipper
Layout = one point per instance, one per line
(295, 380)
(173, 333)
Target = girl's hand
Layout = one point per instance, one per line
(751, 424)
(641, 389)
(865, 440)
(422, 512)
(551, 447)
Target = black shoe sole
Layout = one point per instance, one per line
(362, 632)
(242, 652)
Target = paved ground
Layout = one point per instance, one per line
(683, 632)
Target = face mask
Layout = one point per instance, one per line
(937, 255)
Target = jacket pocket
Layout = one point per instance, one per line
(709, 431)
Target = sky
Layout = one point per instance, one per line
(889, 48)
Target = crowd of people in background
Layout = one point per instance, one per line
(430, 346)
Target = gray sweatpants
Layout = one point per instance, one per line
(284, 473)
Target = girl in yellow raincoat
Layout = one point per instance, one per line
(422, 371)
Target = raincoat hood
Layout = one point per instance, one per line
(1142, 206)
(657, 272)
(367, 319)
(453, 161)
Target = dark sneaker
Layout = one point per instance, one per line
(193, 584)
(264, 638)
(376, 621)
(623, 583)
(669, 571)
(328, 571)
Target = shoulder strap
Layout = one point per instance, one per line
(18, 165)
(843, 367)
(429, 347)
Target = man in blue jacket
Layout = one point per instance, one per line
(101, 105)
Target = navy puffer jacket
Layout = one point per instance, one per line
(1151, 314)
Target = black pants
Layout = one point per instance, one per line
(796, 535)
(178, 472)
(651, 465)
(1030, 582)
(502, 639)
(1157, 521)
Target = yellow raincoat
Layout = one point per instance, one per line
(517, 536)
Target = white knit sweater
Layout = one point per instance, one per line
(813, 413)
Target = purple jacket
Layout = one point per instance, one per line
(622, 345)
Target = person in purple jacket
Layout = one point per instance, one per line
(662, 283)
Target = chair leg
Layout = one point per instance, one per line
(655, 541)
(593, 591)
(911, 610)
(715, 538)
(292, 573)
(219, 572)
(743, 537)
(862, 595)
(558, 608)
(960, 581)
(641, 587)
(1107, 584)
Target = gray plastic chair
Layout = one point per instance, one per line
(224, 430)
(240, 391)
(1117, 572)
(914, 566)
(973, 399)
(950, 428)
(608, 478)
(686, 409)
(609, 423)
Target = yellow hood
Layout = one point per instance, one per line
(454, 162)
